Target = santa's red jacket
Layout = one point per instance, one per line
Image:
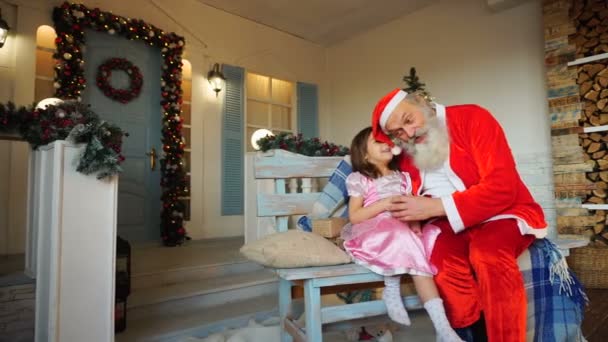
(482, 169)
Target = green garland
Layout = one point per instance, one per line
(297, 144)
(72, 121)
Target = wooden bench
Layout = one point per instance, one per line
(286, 185)
(280, 186)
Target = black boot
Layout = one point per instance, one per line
(465, 333)
(475, 332)
(479, 330)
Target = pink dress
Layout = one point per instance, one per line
(384, 244)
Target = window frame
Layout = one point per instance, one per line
(269, 101)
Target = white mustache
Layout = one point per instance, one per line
(433, 151)
(421, 131)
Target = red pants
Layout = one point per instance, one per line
(478, 271)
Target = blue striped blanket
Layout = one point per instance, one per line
(556, 299)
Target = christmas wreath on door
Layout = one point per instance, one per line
(104, 78)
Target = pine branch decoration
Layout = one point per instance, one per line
(72, 121)
(413, 82)
(413, 85)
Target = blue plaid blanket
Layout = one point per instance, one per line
(333, 199)
(556, 299)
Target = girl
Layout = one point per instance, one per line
(384, 244)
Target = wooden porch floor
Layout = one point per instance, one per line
(595, 324)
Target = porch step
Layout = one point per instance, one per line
(199, 322)
(201, 285)
(200, 294)
(163, 278)
(156, 266)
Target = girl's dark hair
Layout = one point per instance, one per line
(358, 151)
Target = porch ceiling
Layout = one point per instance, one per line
(324, 22)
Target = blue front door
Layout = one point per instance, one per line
(139, 184)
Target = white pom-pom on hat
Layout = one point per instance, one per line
(396, 150)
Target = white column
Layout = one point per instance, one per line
(33, 206)
(76, 225)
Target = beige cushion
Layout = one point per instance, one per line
(294, 248)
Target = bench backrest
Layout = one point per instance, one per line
(286, 185)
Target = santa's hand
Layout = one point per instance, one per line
(410, 208)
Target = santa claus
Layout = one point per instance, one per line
(464, 174)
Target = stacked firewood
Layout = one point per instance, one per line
(591, 20)
(591, 39)
(593, 81)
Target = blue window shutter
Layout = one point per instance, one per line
(233, 153)
(308, 109)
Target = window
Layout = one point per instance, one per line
(186, 131)
(45, 64)
(269, 105)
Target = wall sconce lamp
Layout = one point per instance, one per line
(3, 30)
(216, 79)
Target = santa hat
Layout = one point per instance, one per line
(380, 116)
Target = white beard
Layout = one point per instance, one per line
(433, 151)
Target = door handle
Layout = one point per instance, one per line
(152, 155)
